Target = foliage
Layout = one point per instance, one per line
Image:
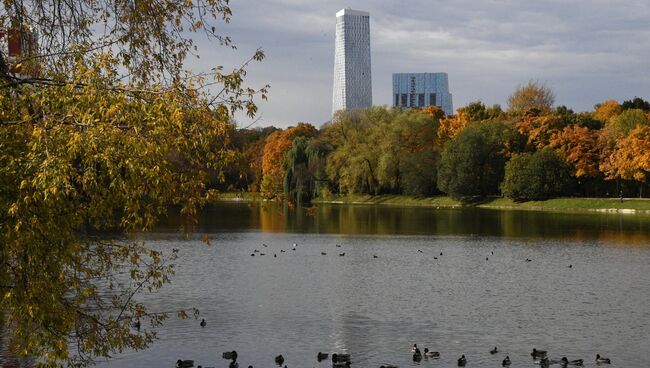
(636, 103)
(103, 133)
(607, 110)
(579, 146)
(274, 160)
(628, 120)
(476, 111)
(536, 176)
(532, 95)
(472, 164)
(631, 158)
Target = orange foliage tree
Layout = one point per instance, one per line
(274, 163)
(630, 160)
(579, 146)
(607, 110)
(540, 129)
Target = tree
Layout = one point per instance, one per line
(636, 103)
(535, 176)
(628, 120)
(472, 164)
(274, 160)
(607, 110)
(102, 132)
(630, 160)
(532, 95)
(580, 147)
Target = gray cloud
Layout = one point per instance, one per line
(586, 50)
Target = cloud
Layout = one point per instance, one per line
(586, 50)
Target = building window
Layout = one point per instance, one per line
(432, 99)
(403, 99)
(411, 100)
(397, 99)
(421, 100)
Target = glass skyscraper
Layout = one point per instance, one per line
(352, 79)
(422, 90)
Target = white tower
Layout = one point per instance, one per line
(352, 79)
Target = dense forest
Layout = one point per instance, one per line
(531, 151)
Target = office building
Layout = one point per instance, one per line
(421, 90)
(352, 79)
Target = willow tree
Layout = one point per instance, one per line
(102, 129)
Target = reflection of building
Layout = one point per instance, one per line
(421, 90)
(352, 79)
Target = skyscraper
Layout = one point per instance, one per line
(421, 90)
(352, 79)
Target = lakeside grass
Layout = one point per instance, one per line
(606, 205)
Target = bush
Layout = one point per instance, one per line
(535, 176)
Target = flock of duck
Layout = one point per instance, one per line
(343, 360)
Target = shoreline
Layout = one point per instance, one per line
(629, 206)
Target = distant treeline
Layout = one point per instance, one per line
(531, 151)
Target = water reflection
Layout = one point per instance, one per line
(383, 220)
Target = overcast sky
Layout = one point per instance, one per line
(587, 51)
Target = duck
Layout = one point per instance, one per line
(275, 255)
(342, 254)
(440, 253)
(203, 323)
(279, 360)
(264, 245)
(419, 251)
(233, 364)
(375, 256)
(494, 351)
(338, 245)
(462, 361)
(323, 253)
(506, 362)
(431, 354)
(184, 363)
(417, 355)
(566, 361)
(229, 355)
(414, 348)
(281, 250)
(602, 360)
(295, 245)
(321, 356)
(252, 254)
(538, 353)
(340, 358)
(388, 366)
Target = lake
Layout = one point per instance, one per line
(455, 281)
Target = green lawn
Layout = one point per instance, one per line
(629, 205)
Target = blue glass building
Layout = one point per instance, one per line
(421, 90)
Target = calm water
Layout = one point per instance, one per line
(302, 302)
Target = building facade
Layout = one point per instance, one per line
(352, 78)
(421, 90)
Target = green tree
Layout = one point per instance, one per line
(535, 176)
(103, 132)
(628, 120)
(531, 96)
(472, 164)
(636, 103)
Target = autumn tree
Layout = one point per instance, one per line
(102, 131)
(274, 159)
(628, 120)
(580, 147)
(532, 95)
(605, 111)
(630, 160)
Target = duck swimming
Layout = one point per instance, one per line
(506, 362)
(417, 355)
(414, 348)
(431, 354)
(494, 351)
(279, 359)
(538, 353)
(566, 361)
(602, 360)
(321, 356)
(229, 355)
(462, 361)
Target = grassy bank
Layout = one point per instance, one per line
(606, 205)
(632, 205)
